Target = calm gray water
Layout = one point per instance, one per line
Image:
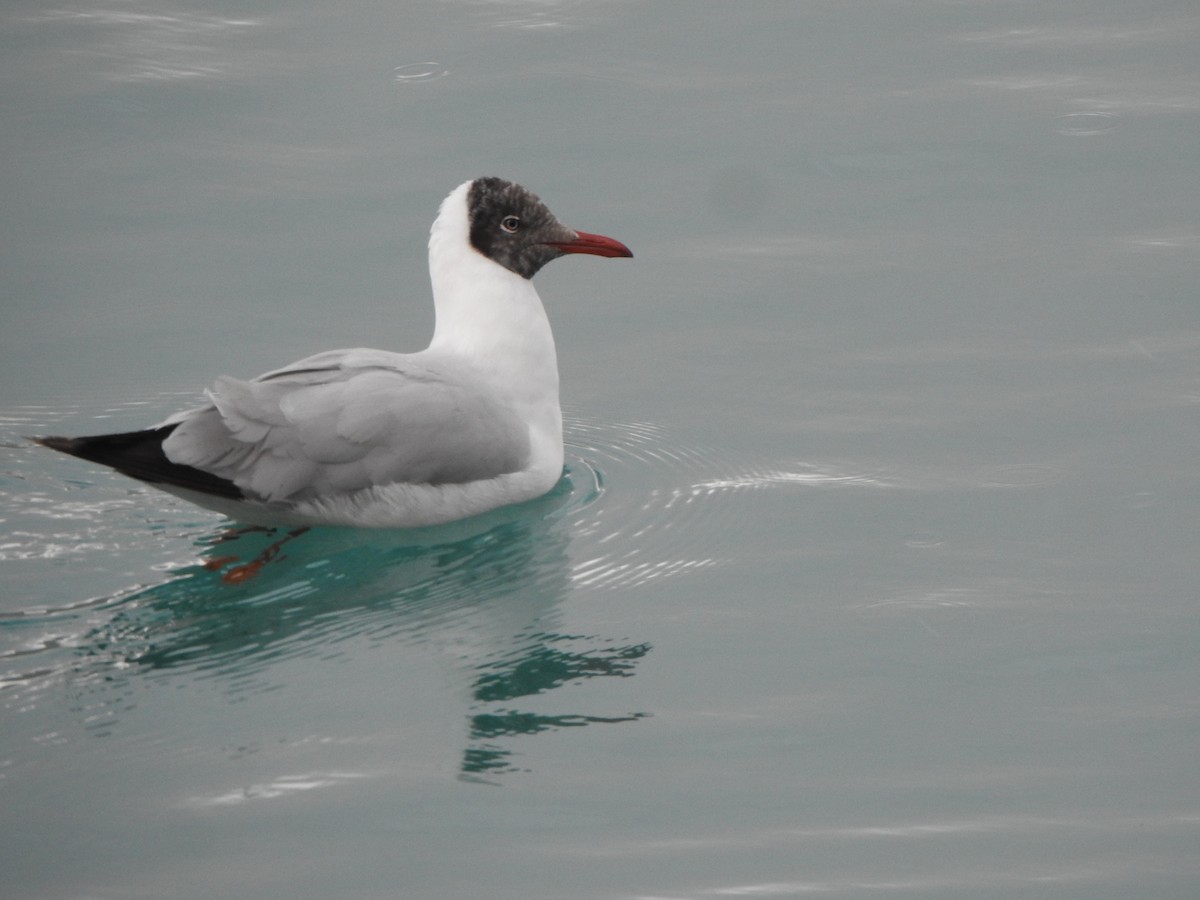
(875, 572)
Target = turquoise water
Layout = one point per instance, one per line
(874, 572)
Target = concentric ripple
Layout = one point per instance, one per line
(148, 589)
(147, 578)
(670, 503)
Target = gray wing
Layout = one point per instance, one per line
(346, 420)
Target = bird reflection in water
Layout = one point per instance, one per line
(488, 589)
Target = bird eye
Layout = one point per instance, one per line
(510, 224)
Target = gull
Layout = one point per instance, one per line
(373, 438)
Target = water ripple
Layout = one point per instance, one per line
(162, 44)
(1086, 124)
(418, 73)
(638, 506)
(675, 501)
(524, 14)
(283, 786)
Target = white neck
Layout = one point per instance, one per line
(489, 316)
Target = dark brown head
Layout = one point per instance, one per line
(512, 227)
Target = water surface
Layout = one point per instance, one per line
(874, 570)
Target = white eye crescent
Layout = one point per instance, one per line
(510, 224)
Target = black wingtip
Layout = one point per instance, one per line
(139, 454)
(61, 444)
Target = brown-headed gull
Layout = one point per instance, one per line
(375, 438)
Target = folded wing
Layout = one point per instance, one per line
(346, 420)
